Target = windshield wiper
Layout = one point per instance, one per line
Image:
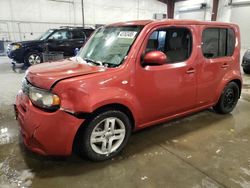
(78, 59)
(93, 61)
(109, 64)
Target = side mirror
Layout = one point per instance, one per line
(154, 58)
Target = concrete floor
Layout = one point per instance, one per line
(202, 150)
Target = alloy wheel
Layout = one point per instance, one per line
(107, 136)
(34, 59)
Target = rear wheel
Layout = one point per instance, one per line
(104, 136)
(228, 99)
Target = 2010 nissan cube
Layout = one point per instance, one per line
(128, 76)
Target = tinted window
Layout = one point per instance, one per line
(222, 42)
(176, 43)
(218, 42)
(88, 32)
(210, 45)
(78, 34)
(230, 42)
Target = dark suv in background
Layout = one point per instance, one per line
(65, 40)
(246, 62)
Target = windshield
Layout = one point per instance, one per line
(109, 45)
(45, 35)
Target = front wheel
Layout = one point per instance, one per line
(104, 136)
(228, 99)
(33, 58)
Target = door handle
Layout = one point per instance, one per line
(225, 65)
(190, 71)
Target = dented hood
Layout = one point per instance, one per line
(45, 75)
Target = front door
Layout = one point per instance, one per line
(59, 41)
(169, 89)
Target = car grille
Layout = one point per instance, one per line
(25, 86)
(9, 47)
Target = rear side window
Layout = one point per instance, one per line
(230, 41)
(78, 34)
(88, 32)
(218, 42)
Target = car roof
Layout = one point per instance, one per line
(172, 22)
(72, 28)
(134, 22)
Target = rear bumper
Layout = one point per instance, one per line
(46, 133)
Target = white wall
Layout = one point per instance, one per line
(20, 18)
(226, 13)
(239, 15)
(27, 19)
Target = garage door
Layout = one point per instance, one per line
(193, 15)
(241, 15)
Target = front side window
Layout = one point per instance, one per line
(110, 45)
(176, 43)
(218, 42)
(61, 35)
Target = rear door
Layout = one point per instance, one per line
(166, 90)
(88, 32)
(78, 38)
(217, 47)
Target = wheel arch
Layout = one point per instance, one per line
(31, 49)
(232, 76)
(113, 106)
(239, 83)
(220, 107)
(34, 50)
(88, 116)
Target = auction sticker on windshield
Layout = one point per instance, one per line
(127, 34)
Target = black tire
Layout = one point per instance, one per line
(84, 147)
(29, 55)
(246, 71)
(228, 99)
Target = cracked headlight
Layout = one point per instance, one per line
(15, 46)
(44, 99)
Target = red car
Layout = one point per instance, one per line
(128, 76)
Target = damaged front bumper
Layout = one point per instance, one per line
(46, 133)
